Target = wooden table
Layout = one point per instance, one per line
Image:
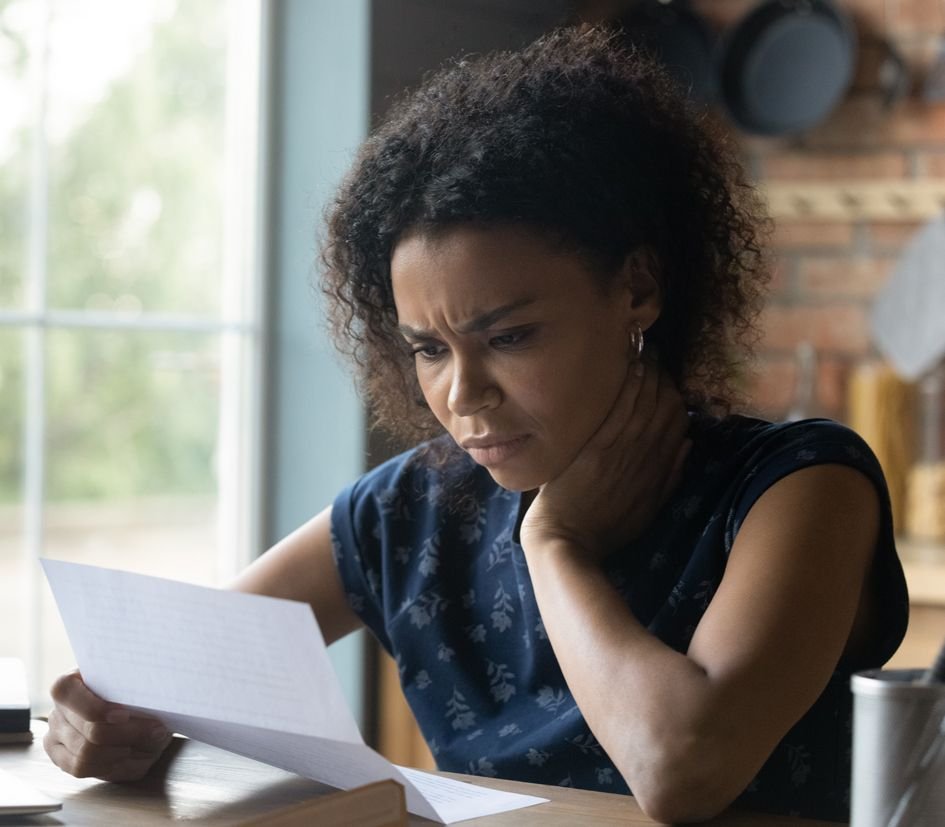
(195, 782)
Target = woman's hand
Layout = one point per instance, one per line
(609, 494)
(90, 737)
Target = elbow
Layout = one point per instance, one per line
(676, 805)
(686, 786)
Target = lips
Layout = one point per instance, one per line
(493, 450)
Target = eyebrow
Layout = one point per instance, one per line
(475, 325)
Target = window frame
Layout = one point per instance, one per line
(240, 327)
(315, 431)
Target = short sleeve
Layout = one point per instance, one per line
(786, 448)
(357, 548)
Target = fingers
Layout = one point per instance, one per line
(675, 474)
(632, 462)
(72, 752)
(653, 385)
(89, 736)
(70, 691)
(77, 755)
(648, 409)
(670, 418)
(669, 427)
(130, 768)
(139, 731)
(637, 395)
(100, 721)
(650, 421)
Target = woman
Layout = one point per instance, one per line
(590, 572)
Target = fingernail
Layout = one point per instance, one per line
(118, 716)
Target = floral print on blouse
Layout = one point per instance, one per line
(429, 558)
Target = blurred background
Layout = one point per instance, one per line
(168, 401)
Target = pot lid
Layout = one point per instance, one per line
(679, 39)
(784, 67)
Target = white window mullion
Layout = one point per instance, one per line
(238, 432)
(34, 427)
(255, 377)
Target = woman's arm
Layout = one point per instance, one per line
(689, 732)
(301, 567)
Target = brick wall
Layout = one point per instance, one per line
(827, 272)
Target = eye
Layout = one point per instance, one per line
(512, 339)
(429, 351)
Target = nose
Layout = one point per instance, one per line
(472, 389)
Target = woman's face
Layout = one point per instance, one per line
(519, 352)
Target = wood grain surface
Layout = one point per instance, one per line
(195, 782)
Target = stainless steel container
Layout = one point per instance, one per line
(898, 750)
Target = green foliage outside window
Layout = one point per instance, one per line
(135, 224)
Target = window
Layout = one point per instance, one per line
(130, 309)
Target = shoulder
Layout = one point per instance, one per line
(819, 485)
(739, 459)
(764, 452)
(748, 434)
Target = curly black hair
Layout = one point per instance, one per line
(578, 137)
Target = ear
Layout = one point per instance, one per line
(640, 278)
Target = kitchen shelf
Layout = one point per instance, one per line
(856, 200)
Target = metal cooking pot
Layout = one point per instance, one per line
(679, 39)
(785, 65)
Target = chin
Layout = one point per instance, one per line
(517, 480)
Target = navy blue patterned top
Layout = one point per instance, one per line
(429, 560)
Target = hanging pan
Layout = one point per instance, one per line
(785, 65)
(679, 39)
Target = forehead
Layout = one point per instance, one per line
(479, 266)
(470, 247)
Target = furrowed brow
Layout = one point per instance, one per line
(476, 325)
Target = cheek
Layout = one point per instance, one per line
(582, 386)
(578, 409)
(435, 389)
